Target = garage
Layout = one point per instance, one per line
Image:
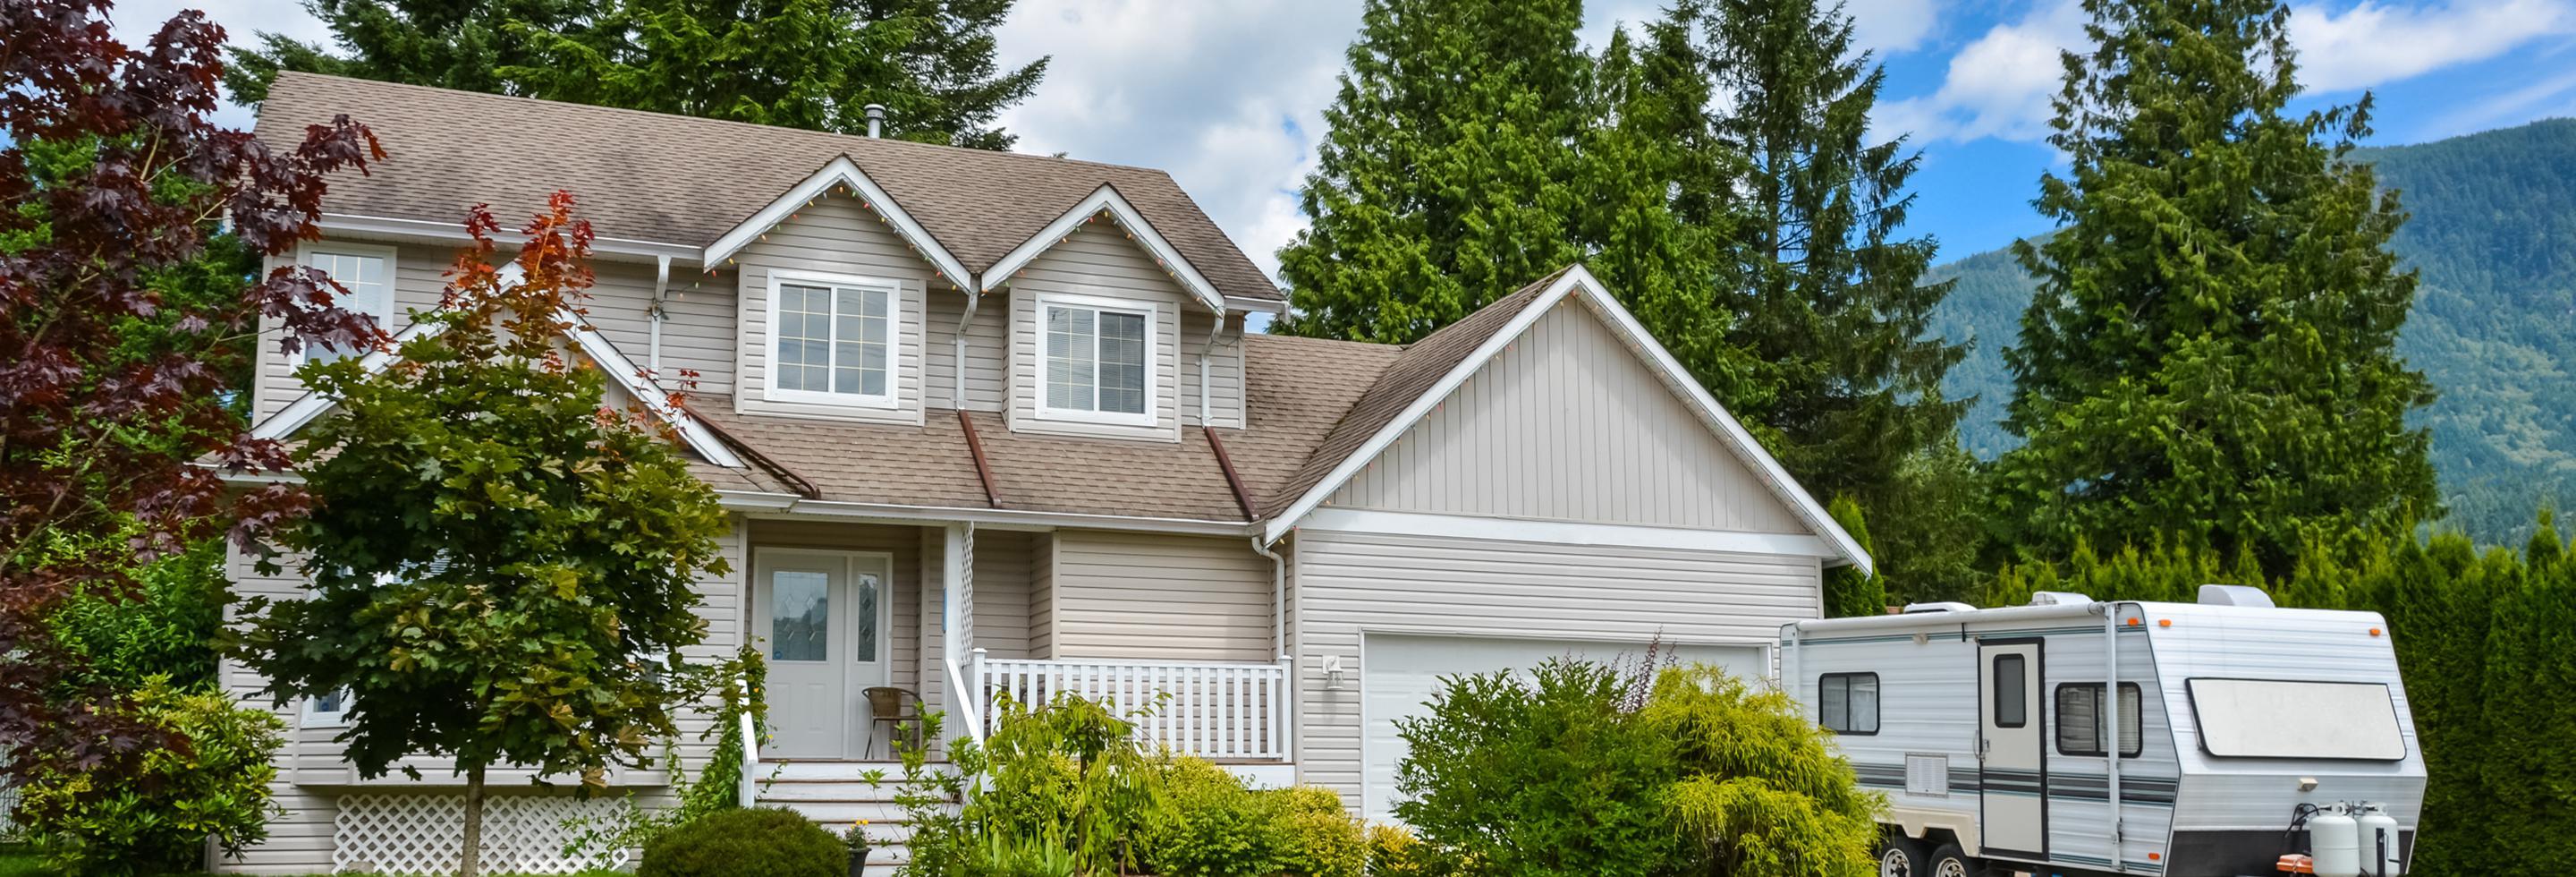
(1400, 672)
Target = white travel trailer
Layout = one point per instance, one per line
(2246, 733)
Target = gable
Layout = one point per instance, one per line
(835, 238)
(1568, 423)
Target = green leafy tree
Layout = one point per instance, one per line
(501, 566)
(1831, 302)
(2211, 351)
(797, 63)
(1447, 178)
(152, 811)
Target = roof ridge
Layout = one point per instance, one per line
(683, 117)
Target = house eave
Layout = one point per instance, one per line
(791, 505)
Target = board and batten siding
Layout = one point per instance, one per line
(834, 235)
(1099, 262)
(1158, 597)
(1570, 424)
(1348, 583)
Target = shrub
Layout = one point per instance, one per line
(1213, 825)
(152, 810)
(1761, 789)
(760, 842)
(1395, 852)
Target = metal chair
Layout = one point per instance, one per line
(895, 710)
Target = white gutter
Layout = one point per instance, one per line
(788, 503)
(421, 229)
(661, 289)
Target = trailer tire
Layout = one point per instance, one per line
(1949, 861)
(1901, 856)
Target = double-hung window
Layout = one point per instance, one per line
(367, 273)
(832, 340)
(1097, 361)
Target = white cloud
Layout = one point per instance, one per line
(1997, 86)
(135, 21)
(2374, 43)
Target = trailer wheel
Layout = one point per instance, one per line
(1901, 856)
(1948, 861)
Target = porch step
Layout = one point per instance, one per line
(837, 793)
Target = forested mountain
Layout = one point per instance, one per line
(2493, 233)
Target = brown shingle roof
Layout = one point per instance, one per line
(1412, 374)
(677, 179)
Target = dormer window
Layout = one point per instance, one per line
(367, 273)
(1097, 363)
(832, 339)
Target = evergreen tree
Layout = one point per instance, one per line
(2210, 354)
(1447, 178)
(798, 63)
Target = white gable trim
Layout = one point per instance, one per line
(310, 406)
(1577, 281)
(1395, 523)
(1106, 198)
(844, 172)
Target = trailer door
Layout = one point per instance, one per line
(2013, 770)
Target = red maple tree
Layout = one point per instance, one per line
(115, 181)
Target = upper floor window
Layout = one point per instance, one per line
(367, 273)
(832, 340)
(1098, 360)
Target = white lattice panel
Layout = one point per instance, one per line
(8, 805)
(424, 833)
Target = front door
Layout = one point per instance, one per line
(2013, 771)
(825, 617)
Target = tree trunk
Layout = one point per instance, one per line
(470, 861)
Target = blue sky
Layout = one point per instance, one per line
(1228, 96)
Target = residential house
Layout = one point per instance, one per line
(993, 424)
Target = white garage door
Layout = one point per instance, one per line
(1400, 673)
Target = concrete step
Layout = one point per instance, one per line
(833, 769)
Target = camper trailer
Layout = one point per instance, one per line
(2250, 740)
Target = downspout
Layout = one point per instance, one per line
(1279, 637)
(957, 345)
(2111, 721)
(661, 287)
(1214, 332)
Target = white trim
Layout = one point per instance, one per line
(1564, 532)
(297, 414)
(791, 506)
(1106, 198)
(895, 339)
(1263, 305)
(304, 253)
(1153, 314)
(306, 716)
(447, 232)
(1576, 279)
(843, 171)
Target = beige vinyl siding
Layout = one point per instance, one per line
(832, 236)
(1225, 369)
(1002, 592)
(1042, 604)
(419, 280)
(1098, 262)
(1350, 582)
(988, 342)
(698, 333)
(1569, 423)
(1158, 597)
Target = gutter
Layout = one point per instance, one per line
(790, 504)
(628, 249)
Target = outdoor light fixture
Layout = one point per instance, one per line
(1332, 672)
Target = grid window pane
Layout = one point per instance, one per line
(370, 292)
(804, 338)
(1070, 348)
(1122, 363)
(835, 340)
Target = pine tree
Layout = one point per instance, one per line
(797, 63)
(2210, 352)
(1447, 177)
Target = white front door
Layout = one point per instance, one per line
(825, 617)
(1399, 673)
(2013, 771)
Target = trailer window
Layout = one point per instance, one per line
(2079, 719)
(2280, 718)
(2012, 702)
(1848, 702)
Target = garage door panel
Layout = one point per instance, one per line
(1401, 672)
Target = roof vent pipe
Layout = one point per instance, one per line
(876, 119)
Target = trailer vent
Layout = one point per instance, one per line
(2234, 595)
(1927, 775)
(2059, 598)
(1943, 606)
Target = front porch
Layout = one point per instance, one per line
(1179, 632)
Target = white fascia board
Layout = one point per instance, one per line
(1107, 198)
(790, 505)
(1256, 305)
(1413, 412)
(841, 171)
(623, 371)
(306, 407)
(1576, 281)
(1565, 532)
(350, 225)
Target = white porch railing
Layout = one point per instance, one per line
(1231, 712)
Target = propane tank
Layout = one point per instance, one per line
(2334, 838)
(2377, 832)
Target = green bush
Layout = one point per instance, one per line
(1212, 825)
(152, 811)
(760, 842)
(166, 627)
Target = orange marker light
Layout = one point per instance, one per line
(2374, 631)
(2152, 857)
(2164, 622)
(2133, 622)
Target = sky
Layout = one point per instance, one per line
(1229, 96)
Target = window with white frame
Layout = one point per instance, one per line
(832, 340)
(1097, 361)
(367, 274)
(327, 711)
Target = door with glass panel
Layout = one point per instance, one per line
(823, 620)
(2012, 766)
